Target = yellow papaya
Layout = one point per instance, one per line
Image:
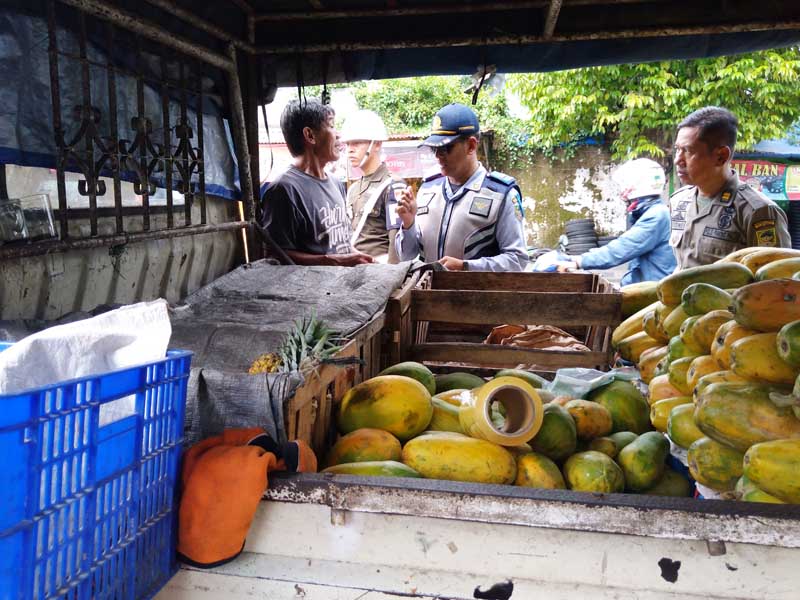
(445, 416)
(755, 260)
(672, 484)
(397, 404)
(756, 357)
(593, 471)
(716, 377)
(767, 305)
(788, 343)
(721, 348)
(678, 371)
(631, 325)
(723, 275)
(701, 298)
(661, 388)
(714, 465)
(701, 366)
(626, 404)
(636, 296)
(557, 437)
(364, 445)
(681, 427)
(706, 327)
(738, 255)
(774, 467)
(672, 324)
(686, 336)
(538, 471)
(591, 419)
(652, 327)
(457, 457)
(643, 461)
(648, 361)
(373, 468)
(631, 348)
(740, 415)
(453, 397)
(659, 411)
(779, 269)
(414, 370)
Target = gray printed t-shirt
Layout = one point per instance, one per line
(307, 214)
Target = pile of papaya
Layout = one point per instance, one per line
(719, 347)
(408, 422)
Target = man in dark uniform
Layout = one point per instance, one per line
(715, 214)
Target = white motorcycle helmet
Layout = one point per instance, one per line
(364, 125)
(639, 178)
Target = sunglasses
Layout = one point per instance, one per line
(439, 150)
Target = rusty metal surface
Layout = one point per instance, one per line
(651, 516)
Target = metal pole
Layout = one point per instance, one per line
(135, 24)
(201, 24)
(240, 136)
(552, 18)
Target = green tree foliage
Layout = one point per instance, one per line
(637, 106)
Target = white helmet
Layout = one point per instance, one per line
(639, 178)
(364, 125)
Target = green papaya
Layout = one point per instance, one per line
(643, 461)
(373, 468)
(702, 298)
(532, 378)
(605, 445)
(628, 406)
(672, 484)
(458, 380)
(681, 427)
(557, 436)
(414, 370)
(714, 465)
(788, 342)
(622, 439)
(593, 471)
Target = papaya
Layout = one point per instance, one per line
(740, 415)
(743, 485)
(678, 372)
(672, 324)
(538, 471)
(651, 327)
(605, 445)
(373, 468)
(756, 357)
(397, 404)
(705, 329)
(662, 311)
(767, 305)
(593, 471)
(631, 325)
(648, 362)
(662, 368)
(681, 427)
(685, 334)
(757, 495)
(458, 380)
(532, 378)
(659, 411)
(622, 439)
(701, 366)
(626, 404)
(445, 416)
(643, 461)
(557, 436)
(774, 467)
(364, 445)
(755, 260)
(701, 298)
(518, 451)
(726, 336)
(636, 296)
(661, 388)
(779, 269)
(716, 377)
(677, 350)
(788, 344)
(414, 370)
(453, 396)
(738, 255)
(591, 419)
(631, 347)
(457, 457)
(714, 465)
(723, 275)
(672, 484)
(562, 401)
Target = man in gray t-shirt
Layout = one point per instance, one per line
(304, 209)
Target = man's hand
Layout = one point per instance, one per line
(351, 260)
(566, 267)
(407, 207)
(452, 264)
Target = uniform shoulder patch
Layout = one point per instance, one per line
(766, 234)
(502, 178)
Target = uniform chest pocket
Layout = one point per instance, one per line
(716, 248)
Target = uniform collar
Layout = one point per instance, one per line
(472, 184)
(722, 198)
(378, 175)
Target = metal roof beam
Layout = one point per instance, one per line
(552, 18)
(198, 23)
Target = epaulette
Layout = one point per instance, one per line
(502, 178)
(432, 177)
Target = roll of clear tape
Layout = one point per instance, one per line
(521, 404)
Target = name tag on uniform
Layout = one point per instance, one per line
(423, 202)
(480, 206)
(721, 234)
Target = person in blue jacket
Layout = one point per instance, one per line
(645, 245)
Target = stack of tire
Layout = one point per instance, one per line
(603, 240)
(793, 213)
(581, 236)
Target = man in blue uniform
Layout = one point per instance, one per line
(465, 218)
(645, 245)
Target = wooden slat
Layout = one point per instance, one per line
(520, 282)
(524, 308)
(488, 356)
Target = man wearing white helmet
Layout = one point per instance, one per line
(371, 199)
(645, 245)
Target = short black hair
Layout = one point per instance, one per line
(301, 114)
(718, 126)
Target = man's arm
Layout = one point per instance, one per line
(767, 226)
(407, 240)
(647, 233)
(510, 239)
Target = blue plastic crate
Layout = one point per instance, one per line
(90, 511)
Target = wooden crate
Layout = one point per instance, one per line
(445, 316)
(309, 415)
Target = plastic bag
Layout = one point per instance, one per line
(548, 262)
(578, 382)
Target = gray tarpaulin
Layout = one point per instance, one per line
(244, 314)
